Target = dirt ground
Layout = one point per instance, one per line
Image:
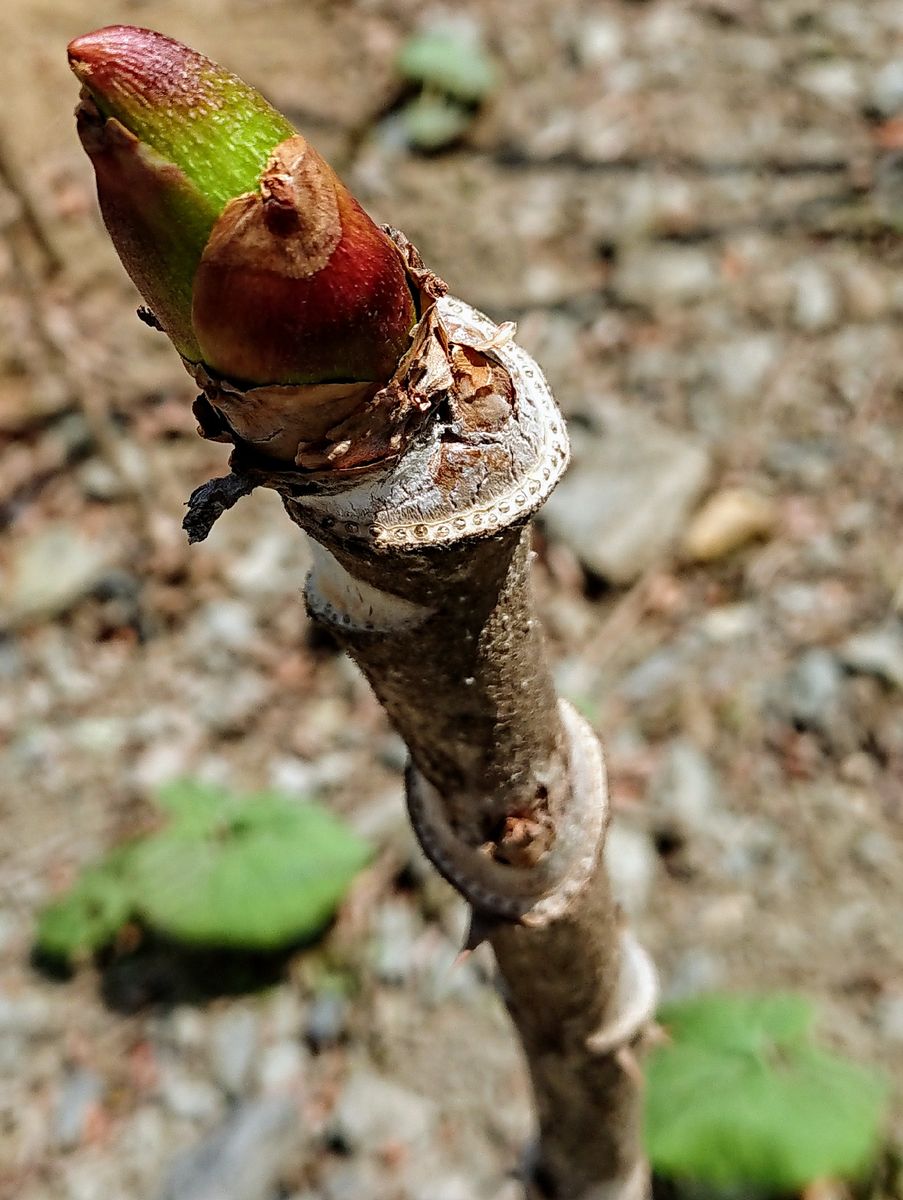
(692, 209)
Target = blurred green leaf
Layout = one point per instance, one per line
(431, 122)
(91, 913)
(742, 1095)
(449, 61)
(253, 872)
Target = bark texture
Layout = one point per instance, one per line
(421, 571)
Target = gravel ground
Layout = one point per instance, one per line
(692, 208)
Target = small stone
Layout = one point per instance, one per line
(657, 276)
(730, 622)
(811, 694)
(816, 303)
(696, 971)
(656, 675)
(373, 1111)
(808, 462)
(242, 1158)
(221, 630)
(79, 1097)
(685, 791)
(300, 777)
(233, 1048)
(889, 1017)
(632, 863)
(187, 1097)
(833, 80)
(50, 573)
(161, 763)
(875, 850)
(99, 481)
(29, 1015)
(445, 975)
(599, 40)
(728, 520)
(354, 1180)
(744, 363)
(326, 1019)
(281, 1066)
(186, 1028)
(877, 652)
(453, 1187)
(393, 753)
(393, 951)
(230, 707)
(627, 496)
(886, 91)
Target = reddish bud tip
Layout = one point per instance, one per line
(298, 285)
(253, 255)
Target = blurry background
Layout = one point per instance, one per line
(692, 209)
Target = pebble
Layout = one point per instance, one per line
(281, 1066)
(353, 1181)
(445, 975)
(234, 1041)
(656, 276)
(79, 1097)
(876, 851)
(632, 863)
(599, 40)
(453, 1187)
(300, 777)
(816, 302)
(696, 971)
(743, 364)
(877, 652)
(241, 1159)
(188, 1097)
(730, 622)
(728, 520)
(30, 1015)
(833, 80)
(811, 696)
(101, 480)
(889, 1017)
(221, 631)
(628, 495)
(684, 791)
(374, 1111)
(327, 1019)
(50, 573)
(886, 91)
(233, 708)
(393, 753)
(393, 954)
(161, 763)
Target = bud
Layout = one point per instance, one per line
(297, 284)
(256, 260)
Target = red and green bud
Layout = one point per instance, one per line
(252, 254)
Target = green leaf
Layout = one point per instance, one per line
(449, 61)
(741, 1095)
(255, 872)
(431, 122)
(90, 914)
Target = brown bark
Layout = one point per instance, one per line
(422, 574)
